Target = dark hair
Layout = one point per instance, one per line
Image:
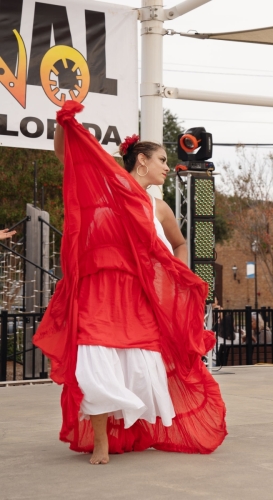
(145, 147)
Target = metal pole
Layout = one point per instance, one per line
(177, 201)
(210, 96)
(43, 198)
(209, 327)
(256, 292)
(35, 184)
(248, 336)
(152, 18)
(183, 8)
(189, 220)
(4, 346)
(41, 264)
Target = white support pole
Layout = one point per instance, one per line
(152, 70)
(183, 8)
(152, 17)
(210, 96)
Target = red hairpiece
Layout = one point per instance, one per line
(128, 141)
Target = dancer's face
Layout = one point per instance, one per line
(157, 167)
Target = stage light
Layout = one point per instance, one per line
(189, 143)
(194, 147)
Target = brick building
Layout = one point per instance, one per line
(237, 293)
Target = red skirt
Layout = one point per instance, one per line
(114, 311)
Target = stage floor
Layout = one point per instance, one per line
(36, 465)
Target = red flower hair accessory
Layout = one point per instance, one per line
(128, 141)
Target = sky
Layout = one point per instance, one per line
(222, 66)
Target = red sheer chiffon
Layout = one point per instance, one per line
(93, 184)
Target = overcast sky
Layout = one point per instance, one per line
(221, 66)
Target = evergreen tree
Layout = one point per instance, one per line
(17, 184)
(171, 129)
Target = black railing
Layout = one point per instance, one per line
(19, 358)
(30, 262)
(243, 336)
(51, 260)
(27, 283)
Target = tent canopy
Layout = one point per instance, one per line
(261, 35)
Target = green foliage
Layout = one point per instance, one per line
(222, 229)
(17, 181)
(223, 226)
(171, 129)
(248, 189)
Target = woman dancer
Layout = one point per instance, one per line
(124, 328)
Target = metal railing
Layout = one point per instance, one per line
(16, 291)
(19, 359)
(243, 336)
(29, 271)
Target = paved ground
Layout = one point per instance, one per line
(35, 465)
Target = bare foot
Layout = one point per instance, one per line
(100, 453)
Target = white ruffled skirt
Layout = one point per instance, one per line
(125, 383)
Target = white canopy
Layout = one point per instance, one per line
(260, 35)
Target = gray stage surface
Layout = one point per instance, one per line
(35, 465)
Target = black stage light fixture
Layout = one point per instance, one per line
(194, 148)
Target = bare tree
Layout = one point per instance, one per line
(248, 191)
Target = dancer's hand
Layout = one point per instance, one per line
(5, 233)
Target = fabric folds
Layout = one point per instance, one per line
(96, 190)
(125, 383)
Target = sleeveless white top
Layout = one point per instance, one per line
(159, 228)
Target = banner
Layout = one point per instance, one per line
(250, 270)
(67, 49)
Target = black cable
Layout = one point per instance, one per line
(233, 144)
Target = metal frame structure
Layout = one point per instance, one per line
(152, 16)
(152, 91)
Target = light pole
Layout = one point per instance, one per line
(255, 248)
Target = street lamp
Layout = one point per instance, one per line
(234, 269)
(255, 249)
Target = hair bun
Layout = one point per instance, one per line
(127, 143)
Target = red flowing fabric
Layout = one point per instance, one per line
(94, 183)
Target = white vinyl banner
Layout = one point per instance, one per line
(55, 50)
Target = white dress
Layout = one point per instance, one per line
(125, 383)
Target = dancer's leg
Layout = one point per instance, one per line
(100, 452)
